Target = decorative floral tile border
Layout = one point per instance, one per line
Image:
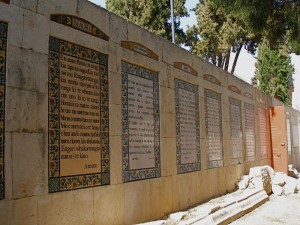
(237, 103)
(3, 45)
(139, 174)
(184, 168)
(216, 96)
(58, 183)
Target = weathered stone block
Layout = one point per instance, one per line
(14, 16)
(116, 163)
(167, 100)
(21, 72)
(21, 211)
(36, 34)
(8, 166)
(114, 81)
(29, 164)
(137, 202)
(117, 28)
(28, 4)
(28, 110)
(168, 156)
(110, 197)
(47, 7)
(160, 189)
(115, 119)
(167, 125)
(72, 207)
(92, 13)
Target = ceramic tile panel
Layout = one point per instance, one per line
(187, 127)
(250, 132)
(262, 122)
(3, 45)
(78, 117)
(140, 123)
(214, 128)
(235, 108)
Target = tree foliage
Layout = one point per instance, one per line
(154, 16)
(217, 34)
(274, 71)
(276, 20)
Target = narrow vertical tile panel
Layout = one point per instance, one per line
(250, 132)
(3, 45)
(140, 123)
(214, 128)
(187, 127)
(235, 109)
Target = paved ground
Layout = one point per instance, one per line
(278, 211)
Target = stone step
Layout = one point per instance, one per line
(222, 210)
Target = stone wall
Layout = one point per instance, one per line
(196, 131)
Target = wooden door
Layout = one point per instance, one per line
(278, 138)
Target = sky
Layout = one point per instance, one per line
(245, 67)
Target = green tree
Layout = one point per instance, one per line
(217, 34)
(154, 16)
(274, 71)
(276, 20)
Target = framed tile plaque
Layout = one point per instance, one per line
(235, 109)
(295, 136)
(214, 128)
(288, 136)
(262, 121)
(140, 123)
(250, 132)
(78, 117)
(187, 127)
(3, 45)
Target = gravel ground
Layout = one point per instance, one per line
(279, 210)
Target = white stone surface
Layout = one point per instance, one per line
(243, 184)
(158, 222)
(277, 190)
(279, 179)
(255, 172)
(291, 186)
(256, 183)
(177, 216)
